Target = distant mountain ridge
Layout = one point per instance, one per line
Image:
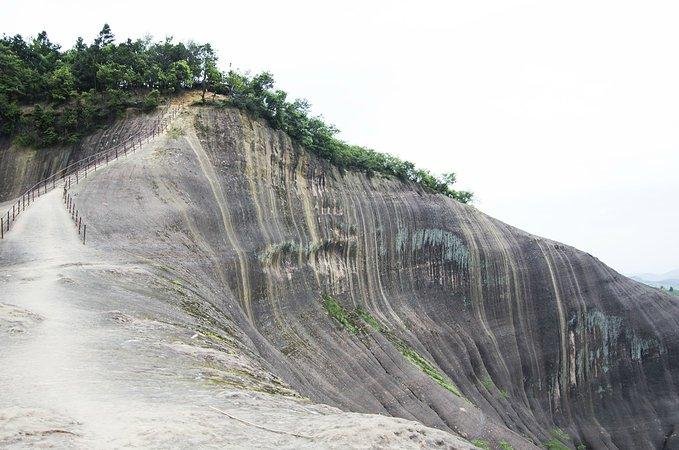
(666, 279)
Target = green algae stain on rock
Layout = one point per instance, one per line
(453, 248)
(641, 347)
(613, 342)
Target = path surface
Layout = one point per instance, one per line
(88, 359)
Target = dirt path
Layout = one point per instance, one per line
(91, 355)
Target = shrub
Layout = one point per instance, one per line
(152, 100)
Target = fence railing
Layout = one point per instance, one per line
(73, 211)
(73, 172)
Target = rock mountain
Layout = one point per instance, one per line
(236, 290)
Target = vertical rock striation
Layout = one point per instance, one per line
(369, 294)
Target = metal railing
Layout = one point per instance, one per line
(75, 171)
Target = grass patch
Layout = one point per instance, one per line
(559, 441)
(411, 355)
(561, 435)
(337, 312)
(504, 445)
(480, 443)
(555, 444)
(175, 132)
(369, 319)
(355, 322)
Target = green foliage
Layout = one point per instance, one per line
(561, 435)
(112, 75)
(411, 355)
(504, 445)
(337, 312)
(152, 100)
(559, 441)
(555, 444)
(179, 76)
(89, 84)
(61, 84)
(369, 319)
(10, 116)
(480, 443)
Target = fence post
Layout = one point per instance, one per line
(13, 216)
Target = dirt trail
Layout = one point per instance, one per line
(86, 362)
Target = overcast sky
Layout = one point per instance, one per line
(562, 117)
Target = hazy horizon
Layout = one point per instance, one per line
(560, 117)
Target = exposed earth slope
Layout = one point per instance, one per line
(223, 261)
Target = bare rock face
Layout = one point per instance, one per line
(368, 294)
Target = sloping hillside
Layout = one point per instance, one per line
(109, 349)
(224, 257)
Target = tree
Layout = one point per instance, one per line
(10, 115)
(82, 65)
(209, 74)
(449, 178)
(179, 76)
(112, 75)
(14, 74)
(105, 37)
(61, 84)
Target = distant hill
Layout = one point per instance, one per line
(665, 280)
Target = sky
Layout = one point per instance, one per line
(560, 116)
